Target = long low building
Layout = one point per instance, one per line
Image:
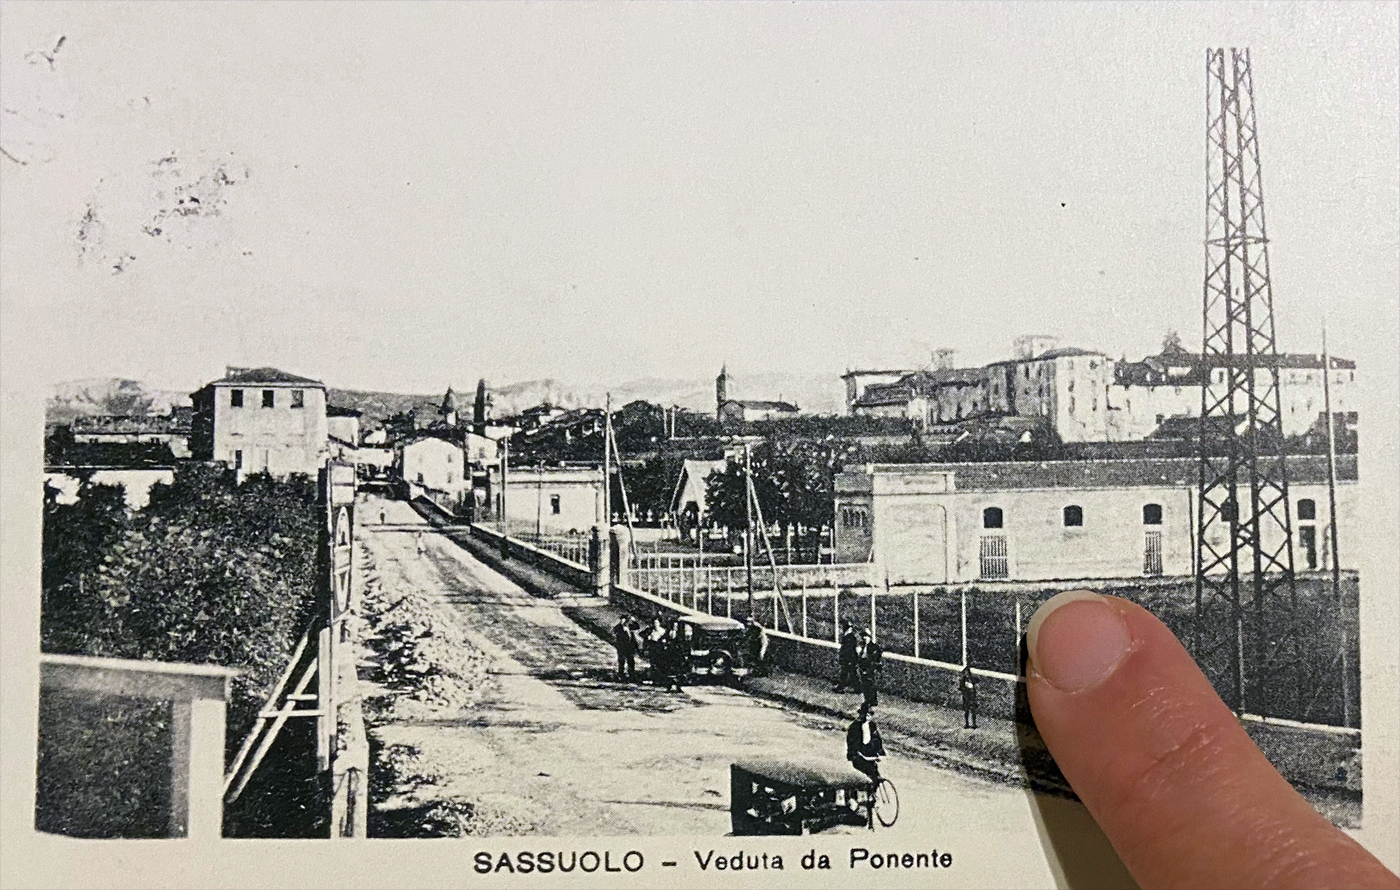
(1059, 520)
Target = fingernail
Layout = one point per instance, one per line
(1076, 639)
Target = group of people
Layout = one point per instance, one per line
(664, 643)
(860, 661)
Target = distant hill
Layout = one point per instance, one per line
(814, 394)
(108, 395)
(376, 407)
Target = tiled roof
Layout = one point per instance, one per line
(1128, 473)
(264, 375)
(867, 373)
(760, 405)
(337, 411)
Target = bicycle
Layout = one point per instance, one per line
(884, 803)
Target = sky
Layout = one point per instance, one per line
(401, 195)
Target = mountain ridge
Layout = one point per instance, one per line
(814, 394)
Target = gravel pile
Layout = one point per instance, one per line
(414, 653)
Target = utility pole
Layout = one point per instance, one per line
(1344, 624)
(607, 463)
(1244, 525)
(539, 498)
(505, 475)
(748, 523)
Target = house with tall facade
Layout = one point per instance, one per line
(434, 465)
(261, 420)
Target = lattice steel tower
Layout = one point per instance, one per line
(1244, 540)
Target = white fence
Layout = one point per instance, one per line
(573, 548)
(668, 574)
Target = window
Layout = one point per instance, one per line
(991, 517)
(554, 504)
(1074, 515)
(267, 398)
(449, 477)
(1151, 514)
(1307, 509)
(854, 517)
(298, 398)
(235, 398)
(238, 456)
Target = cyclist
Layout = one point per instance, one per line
(864, 747)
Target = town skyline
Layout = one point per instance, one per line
(663, 190)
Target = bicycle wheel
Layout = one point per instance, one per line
(886, 803)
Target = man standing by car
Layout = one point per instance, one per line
(864, 747)
(846, 660)
(755, 647)
(626, 643)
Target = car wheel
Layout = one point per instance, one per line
(721, 665)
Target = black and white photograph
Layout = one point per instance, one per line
(634, 443)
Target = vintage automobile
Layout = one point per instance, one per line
(716, 647)
(771, 797)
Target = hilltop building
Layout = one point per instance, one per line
(261, 420)
(1086, 396)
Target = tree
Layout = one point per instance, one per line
(1171, 343)
(209, 571)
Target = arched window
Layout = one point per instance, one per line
(1307, 509)
(1074, 515)
(1151, 514)
(991, 517)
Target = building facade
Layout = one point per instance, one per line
(343, 424)
(436, 464)
(261, 420)
(1059, 520)
(554, 500)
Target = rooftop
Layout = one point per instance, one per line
(254, 376)
(761, 405)
(1114, 473)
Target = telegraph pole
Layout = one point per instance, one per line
(607, 462)
(1344, 654)
(748, 523)
(505, 473)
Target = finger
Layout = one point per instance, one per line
(1178, 787)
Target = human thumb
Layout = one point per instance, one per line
(1164, 767)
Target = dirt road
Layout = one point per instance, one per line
(555, 746)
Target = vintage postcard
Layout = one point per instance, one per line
(585, 444)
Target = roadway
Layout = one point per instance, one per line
(555, 746)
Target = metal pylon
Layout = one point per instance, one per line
(1244, 540)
